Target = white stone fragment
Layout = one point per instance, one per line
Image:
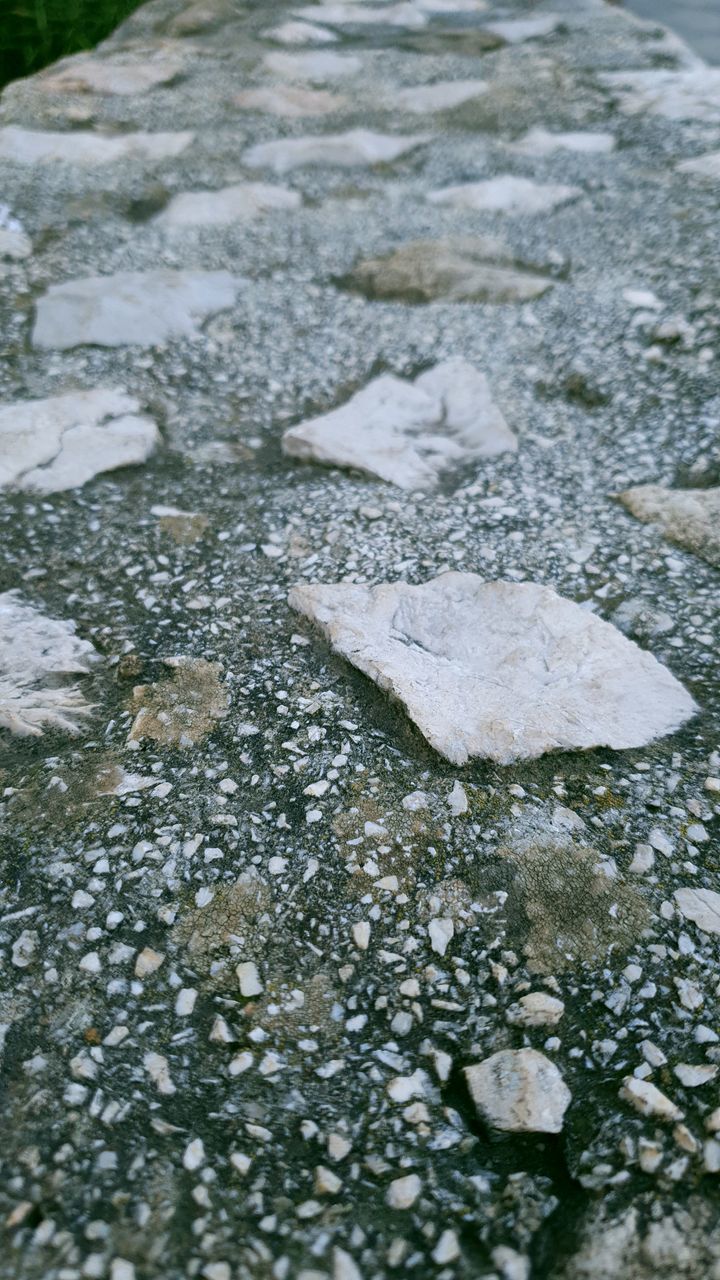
(693, 1076)
(239, 203)
(518, 30)
(344, 1267)
(648, 1099)
(443, 95)
(541, 142)
(132, 308)
(23, 949)
(185, 1001)
(408, 433)
(313, 68)
(194, 1155)
(249, 979)
(289, 101)
(520, 1091)
(148, 961)
(361, 934)
(441, 933)
(334, 150)
(702, 906)
(457, 800)
(33, 146)
(689, 94)
(447, 1248)
(415, 801)
(60, 443)
(706, 166)
(158, 1069)
(403, 1192)
(537, 1009)
(502, 670)
(403, 1088)
(506, 194)
(35, 653)
(14, 245)
(121, 1269)
(294, 33)
(125, 74)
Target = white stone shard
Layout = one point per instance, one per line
(443, 95)
(702, 906)
(34, 146)
(292, 102)
(519, 1091)
(506, 194)
(133, 308)
(537, 1009)
(403, 14)
(127, 73)
(313, 67)
(688, 94)
(408, 433)
(238, 203)
(339, 150)
(689, 517)
(441, 932)
(518, 30)
(646, 1098)
(60, 443)
(14, 245)
(36, 654)
(541, 142)
(295, 33)
(501, 670)
(706, 166)
(403, 1192)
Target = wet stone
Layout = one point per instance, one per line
(453, 269)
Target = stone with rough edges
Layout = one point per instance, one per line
(541, 142)
(453, 269)
(689, 517)
(314, 67)
(702, 906)
(442, 95)
(291, 102)
(340, 150)
(47, 446)
(243, 201)
(35, 146)
(519, 1091)
(688, 94)
(36, 653)
(123, 74)
(408, 433)
(506, 194)
(502, 670)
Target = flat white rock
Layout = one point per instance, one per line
(702, 906)
(341, 150)
(501, 670)
(36, 654)
(506, 194)
(707, 166)
(123, 74)
(300, 33)
(231, 204)
(292, 102)
(315, 67)
(519, 1091)
(423, 99)
(389, 15)
(689, 94)
(34, 146)
(408, 433)
(50, 445)
(518, 30)
(541, 142)
(131, 309)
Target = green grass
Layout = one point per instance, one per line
(35, 32)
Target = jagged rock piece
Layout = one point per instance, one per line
(127, 73)
(518, 30)
(454, 269)
(519, 1091)
(443, 95)
(408, 433)
(230, 204)
(341, 150)
(646, 1098)
(300, 33)
(707, 166)
(541, 142)
(183, 710)
(689, 517)
(314, 67)
(34, 146)
(689, 94)
(36, 654)
(702, 906)
(501, 670)
(132, 308)
(402, 14)
(290, 101)
(506, 194)
(60, 443)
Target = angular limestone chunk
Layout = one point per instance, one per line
(519, 1091)
(36, 653)
(702, 906)
(408, 433)
(32, 146)
(340, 150)
(648, 1099)
(290, 101)
(132, 308)
(506, 194)
(689, 517)
(230, 204)
(501, 670)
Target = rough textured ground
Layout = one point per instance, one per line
(254, 930)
